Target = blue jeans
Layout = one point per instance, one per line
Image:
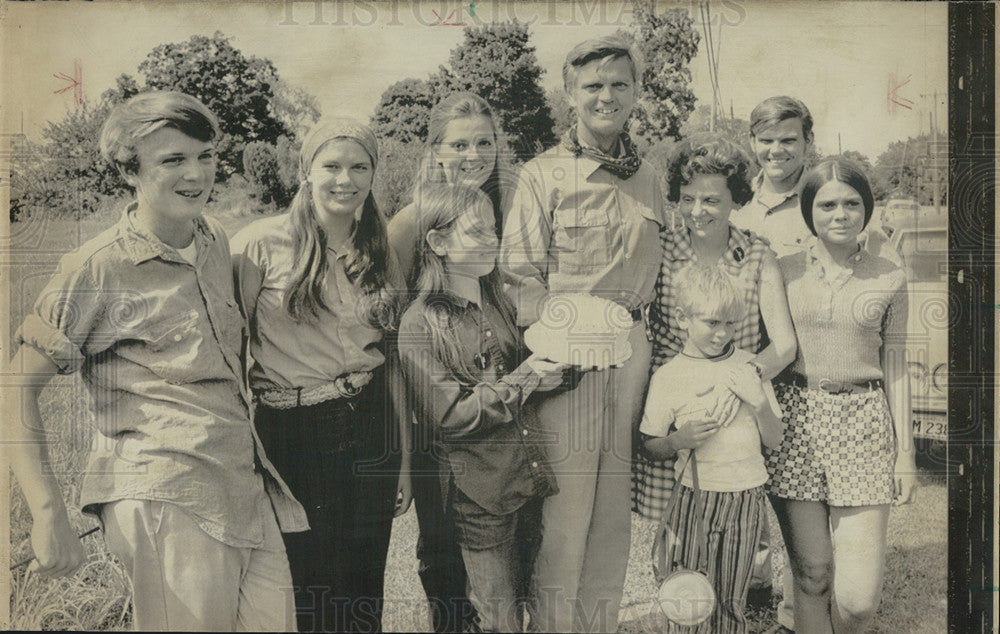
(499, 553)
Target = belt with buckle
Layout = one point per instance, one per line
(638, 313)
(345, 387)
(835, 387)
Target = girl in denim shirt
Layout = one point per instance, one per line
(460, 352)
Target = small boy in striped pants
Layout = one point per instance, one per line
(711, 400)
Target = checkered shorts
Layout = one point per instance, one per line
(837, 448)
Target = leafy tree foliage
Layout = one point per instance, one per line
(494, 61)
(737, 129)
(668, 43)
(64, 174)
(270, 170)
(240, 90)
(909, 169)
(404, 109)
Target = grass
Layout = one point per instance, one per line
(97, 596)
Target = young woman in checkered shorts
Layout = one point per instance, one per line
(847, 451)
(705, 235)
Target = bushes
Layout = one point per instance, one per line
(64, 176)
(271, 170)
(397, 170)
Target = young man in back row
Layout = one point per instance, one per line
(147, 313)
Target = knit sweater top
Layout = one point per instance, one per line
(842, 318)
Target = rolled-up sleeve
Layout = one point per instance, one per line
(525, 256)
(64, 318)
(456, 409)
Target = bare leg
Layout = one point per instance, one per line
(806, 529)
(859, 546)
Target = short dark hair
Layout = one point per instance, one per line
(774, 110)
(837, 169)
(146, 113)
(710, 154)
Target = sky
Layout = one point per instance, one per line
(841, 59)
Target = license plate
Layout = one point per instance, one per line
(930, 425)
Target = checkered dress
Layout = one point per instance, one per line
(652, 480)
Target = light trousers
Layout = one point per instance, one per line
(586, 527)
(185, 580)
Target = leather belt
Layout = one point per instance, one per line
(638, 313)
(346, 386)
(834, 387)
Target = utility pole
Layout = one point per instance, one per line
(932, 151)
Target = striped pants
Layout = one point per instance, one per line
(733, 522)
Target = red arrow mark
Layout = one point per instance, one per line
(75, 82)
(893, 98)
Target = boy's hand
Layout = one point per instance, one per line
(58, 551)
(694, 434)
(744, 383)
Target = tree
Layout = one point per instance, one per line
(668, 43)
(240, 90)
(880, 190)
(738, 130)
(561, 109)
(125, 88)
(910, 169)
(496, 62)
(64, 175)
(295, 108)
(403, 111)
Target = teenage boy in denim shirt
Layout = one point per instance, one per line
(146, 312)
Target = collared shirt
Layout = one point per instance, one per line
(575, 227)
(488, 430)
(289, 354)
(777, 217)
(743, 260)
(157, 341)
(843, 316)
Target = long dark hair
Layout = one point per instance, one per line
(368, 263)
(439, 207)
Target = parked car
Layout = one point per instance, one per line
(898, 211)
(923, 243)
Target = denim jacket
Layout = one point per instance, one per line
(487, 433)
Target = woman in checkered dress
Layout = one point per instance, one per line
(702, 237)
(847, 451)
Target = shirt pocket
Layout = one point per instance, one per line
(168, 347)
(581, 239)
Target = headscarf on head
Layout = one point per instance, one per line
(335, 128)
(367, 263)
